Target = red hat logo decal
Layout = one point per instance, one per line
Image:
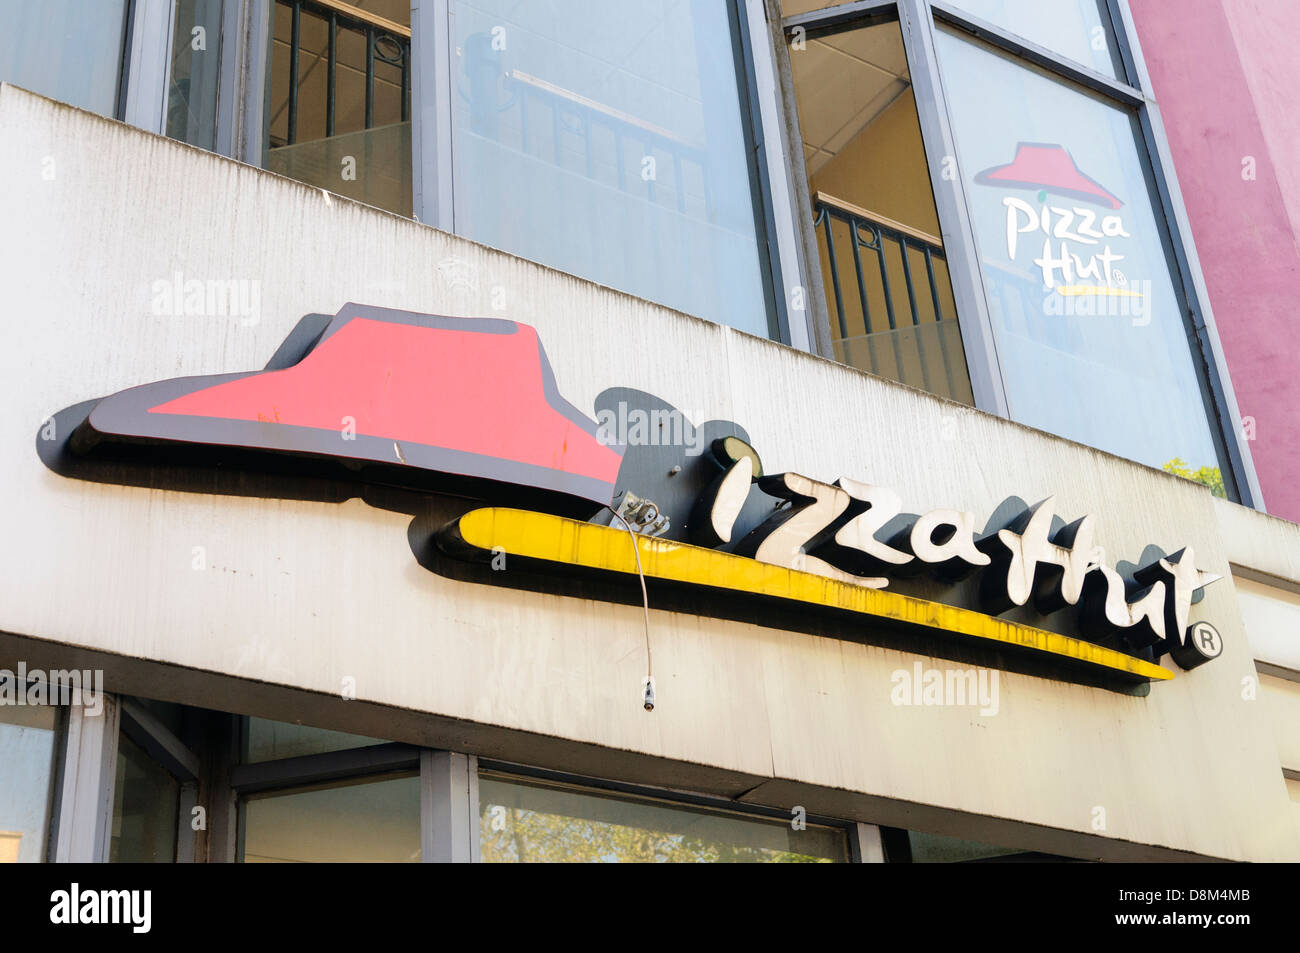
(416, 394)
(1049, 168)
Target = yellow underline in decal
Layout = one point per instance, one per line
(587, 545)
(1071, 291)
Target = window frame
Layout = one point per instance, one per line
(81, 826)
(146, 71)
(147, 67)
(919, 20)
(140, 55)
(175, 757)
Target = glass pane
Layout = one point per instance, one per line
(344, 123)
(146, 808)
(27, 753)
(1089, 324)
(791, 8)
(606, 138)
(170, 714)
(269, 740)
(1077, 29)
(351, 821)
(918, 847)
(886, 278)
(935, 849)
(531, 822)
(196, 58)
(69, 50)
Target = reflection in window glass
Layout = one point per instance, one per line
(27, 758)
(146, 808)
(791, 8)
(920, 848)
(532, 822)
(1089, 325)
(69, 50)
(172, 715)
(606, 138)
(1077, 29)
(342, 120)
(936, 849)
(269, 740)
(364, 820)
(888, 290)
(196, 55)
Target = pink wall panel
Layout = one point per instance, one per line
(1227, 80)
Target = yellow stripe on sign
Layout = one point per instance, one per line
(567, 542)
(1071, 291)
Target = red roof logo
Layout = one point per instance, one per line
(1048, 168)
(418, 393)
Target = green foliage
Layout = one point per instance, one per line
(550, 838)
(1210, 476)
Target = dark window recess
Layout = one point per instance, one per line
(340, 95)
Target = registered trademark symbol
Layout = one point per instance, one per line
(1206, 638)
(1201, 644)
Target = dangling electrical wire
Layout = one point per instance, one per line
(648, 697)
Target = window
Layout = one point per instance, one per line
(156, 783)
(69, 50)
(528, 821)
(312, 795)
(889, 294)
(146, 808)
(1088, 318)
(918, 847)
(340, 98)
(268, 740)
(326, 796)
(28, 752)
(195, 70)
(610, 140)
(1078, 29)
(358, 820)
(987, 162)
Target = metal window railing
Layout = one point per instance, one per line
(385, 40)
(909, 335)
(587, 114)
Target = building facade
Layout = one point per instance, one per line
(476, 430)
(1230, 139)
